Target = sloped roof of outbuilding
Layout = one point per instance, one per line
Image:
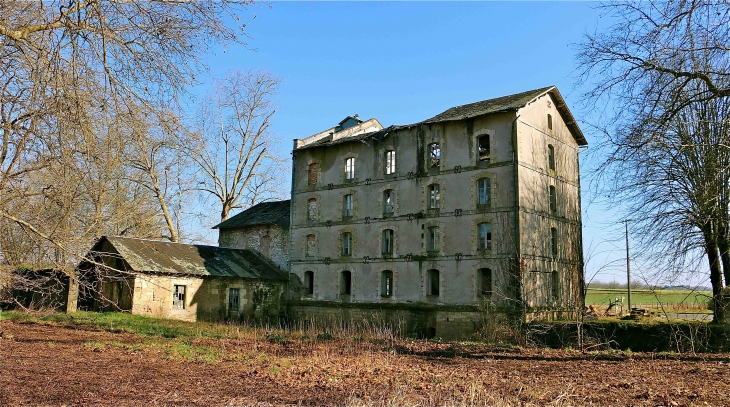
(471, 110)
(265, 213)
(158, 257)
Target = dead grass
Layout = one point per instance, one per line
(54, 363)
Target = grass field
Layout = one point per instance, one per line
(119, 359)
(671, 300)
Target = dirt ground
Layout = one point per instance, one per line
(55, 365)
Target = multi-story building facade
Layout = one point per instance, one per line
(441, 222)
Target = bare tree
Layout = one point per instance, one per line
(659, 55)
(67, 71)
(233, 146)
(661, 77)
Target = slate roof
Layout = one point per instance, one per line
(151, 256)
(265, 213)
(468, 111)
(500, 104)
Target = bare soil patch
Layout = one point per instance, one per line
(45, 364)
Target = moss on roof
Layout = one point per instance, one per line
(151, 256)
(265, 213)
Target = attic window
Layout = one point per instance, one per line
(550, 122)
(435, 154)
(484, 148)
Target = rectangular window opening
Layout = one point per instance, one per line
(390, 162)
(347, 244)
(388, 241)
(386, 289)
(433, 282)
(434, 196)
(484, 186)
(233, 298)
(433, 239)
(435, 154)
(484, 148)
(178, 297)
(346, 283)
(388, 201)
(350, 168)
(485, 276)
(347, 206)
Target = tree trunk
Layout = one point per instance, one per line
(724, 246)
(715, 276)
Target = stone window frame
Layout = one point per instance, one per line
(475, 189)
(319, 172)
(555, 286)
(553, 240)
(394, 228)
(229, 298)
(481, 293)
(384, 275)
(390, 149)
(341, 283)
(428, 288)
(395, 201)
(427, 194)
(552, 199)
(355, 204)
(488, 239)
(309, 291)
(487, 218)
(355, 171)
(551, 158)
(353, 242)
(426, 236)
(492, 144)
(179, 297)
(309, 197)
(380, 270)
(316, 244)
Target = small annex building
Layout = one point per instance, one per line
(179, 281)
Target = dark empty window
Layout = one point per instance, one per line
(485, 282)
(551, 157)
(233, 299)
(484, 186)
(554, 241)
(484, 148)
(553, 200)
(434, 155)
(178, 297)
(388, 241)
(386, 283)
(388, 201)
(484, 231)
(313, 173)
(346, 244)
(555, 285)
(550, 122)
(346, 283)
(308, 282)
(434, 196)
(390, 162)
(433, 282)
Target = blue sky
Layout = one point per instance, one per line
(403, 62)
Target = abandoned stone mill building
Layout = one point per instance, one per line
(435, 226)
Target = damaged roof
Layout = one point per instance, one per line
(151, 256)
(265, 213)
(471, 110)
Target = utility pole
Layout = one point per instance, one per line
(628, 264)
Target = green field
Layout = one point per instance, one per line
(673, 300)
